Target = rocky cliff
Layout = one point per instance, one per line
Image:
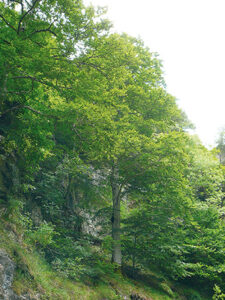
(7, 268)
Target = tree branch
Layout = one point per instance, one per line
(8, 43)
(44, 30)
(29, 108)
(41, 81)
(7, 23)
(39, 112)
(26, 13)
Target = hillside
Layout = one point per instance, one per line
(103, 192)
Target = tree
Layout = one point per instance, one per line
(140, 112)
(43, 47)
(221, 146)
(205, 174)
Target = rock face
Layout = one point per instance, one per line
(6, 276)
(7, 268)
(137, 297)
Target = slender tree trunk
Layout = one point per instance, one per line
(134, 255)
(116, 191)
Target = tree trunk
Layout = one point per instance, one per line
(116, 191)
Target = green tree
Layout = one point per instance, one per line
(43, 47)
(138, 111)
(205, 174)
(221, 146)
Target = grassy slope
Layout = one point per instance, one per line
(34, 276)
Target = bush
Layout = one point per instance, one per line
(218, 293)
(43, 235)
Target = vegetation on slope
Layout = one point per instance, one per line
(102, 191)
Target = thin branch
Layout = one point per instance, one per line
(19, 93)
(21, 3)
(23, 77)
(29, 108)
(44, 30)
(22, 92)
(22, 7)
(79, 64)
(10, 109)
(27, 3)
(7, 23)
(37, 43)
(8, 43)
(39, 112)
(26, 13)
(42, 82)
(30, 77)
(93, 66)
(77, 133)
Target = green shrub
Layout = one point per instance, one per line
(43, 235)
(218, 293)
(192, 295)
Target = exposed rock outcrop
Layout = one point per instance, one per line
(7, 268)
(137, 297)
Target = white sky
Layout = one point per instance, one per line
(189, 36)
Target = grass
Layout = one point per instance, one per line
(34, 276)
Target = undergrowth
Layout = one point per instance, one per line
(35, 276)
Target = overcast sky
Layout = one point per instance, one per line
(189, 36)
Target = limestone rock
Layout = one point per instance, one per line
(137, 297)
(7, 268)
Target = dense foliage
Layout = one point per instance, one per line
(96, 163)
